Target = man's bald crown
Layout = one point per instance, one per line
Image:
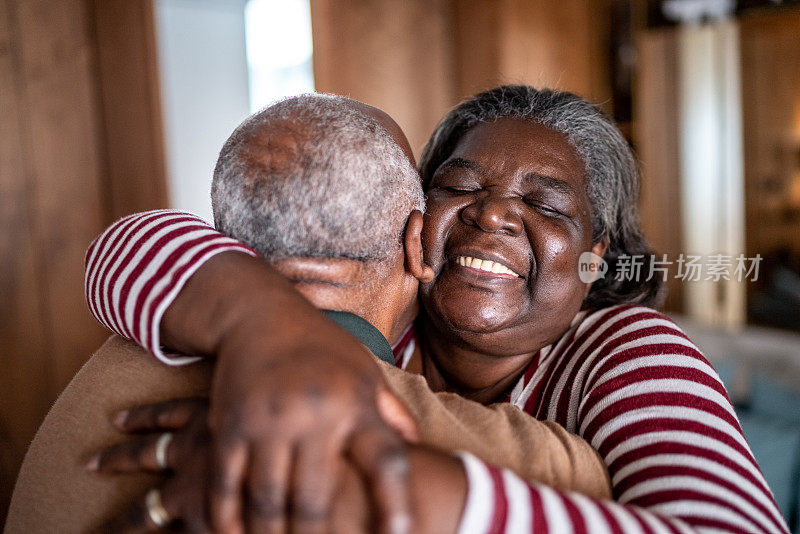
(315, 176)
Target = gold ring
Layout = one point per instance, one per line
(158, 514)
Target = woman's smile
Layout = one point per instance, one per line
(485, 267)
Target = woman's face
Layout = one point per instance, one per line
(507, 218)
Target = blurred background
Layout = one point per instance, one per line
(109, 107)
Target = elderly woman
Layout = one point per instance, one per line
(520, 183)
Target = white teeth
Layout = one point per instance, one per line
(484, 265)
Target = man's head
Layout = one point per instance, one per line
(319, 186)
(315, 176)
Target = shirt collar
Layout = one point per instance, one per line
(365, 332)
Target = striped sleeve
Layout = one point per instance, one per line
(136, 268)
(500, 502)
(640, 392)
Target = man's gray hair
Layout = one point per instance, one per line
(611, 173)
(315, 175)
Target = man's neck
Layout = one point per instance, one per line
(351, 286)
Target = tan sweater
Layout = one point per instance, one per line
(54, 493)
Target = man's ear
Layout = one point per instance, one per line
(412, 242)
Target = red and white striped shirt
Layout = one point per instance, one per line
(136, 268)
(625, 378)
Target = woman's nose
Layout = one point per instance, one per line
(493, 214)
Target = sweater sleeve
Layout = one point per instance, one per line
(498, 501)
(657, 413)
(136, 268)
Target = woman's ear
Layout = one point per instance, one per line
(412, 242)
(599, 250)
(601, 246)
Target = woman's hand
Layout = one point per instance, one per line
(280, 428)
(185, 454)
(177, 440)
(291, 390)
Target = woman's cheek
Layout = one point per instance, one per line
(440, 217)
(557, 278)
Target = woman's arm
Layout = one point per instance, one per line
(655, 478)
(168, 272)
(136, 268)
(643, 395)
(165, 249)
(494, 501)
(438, 483)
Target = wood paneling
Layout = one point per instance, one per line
(476, 28)
(418, 58)
(770, 52)
(563, 45)
(392, 55)
(22, 333)
(131, 108)
(60, 146)
(50, 206)
(69, 162)
(535, 42)
(657, 143)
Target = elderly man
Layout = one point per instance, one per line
(321, 187)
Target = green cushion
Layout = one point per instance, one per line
(770, 398)
(776, 447)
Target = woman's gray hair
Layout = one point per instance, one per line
(314, 175)
(612, 175)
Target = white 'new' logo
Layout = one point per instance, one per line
(591, 267)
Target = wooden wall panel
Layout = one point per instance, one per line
(657, 143)
(536, 42)
(23, 341)
(476, 29)
(417, 59)
(770, 54)
(63, 162)
(564, 45)
(392, 55)
(131, 107)
(50, 208)
(69, 162)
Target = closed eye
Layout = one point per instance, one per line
(456, 176)
(544, 208)
(458, 190)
